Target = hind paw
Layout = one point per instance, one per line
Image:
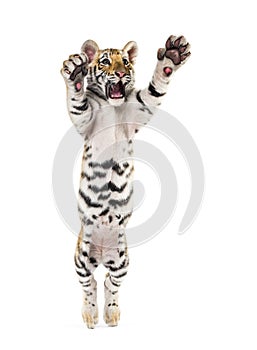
(90, 317)
(112, 315)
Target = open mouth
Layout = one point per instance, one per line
(116, 90)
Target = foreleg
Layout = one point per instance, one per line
(79, 106)
(170, 58)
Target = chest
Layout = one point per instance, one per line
(110, 136)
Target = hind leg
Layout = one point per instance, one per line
(116, 261)
(86, 262)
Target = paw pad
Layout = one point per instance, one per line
(75, 68)
(78, 86)
(176, 49)
(168, 71)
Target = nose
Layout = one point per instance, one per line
(120, 74)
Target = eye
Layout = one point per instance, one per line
(125, 61)
(106, 62)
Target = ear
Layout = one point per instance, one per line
(90, 48)
(131, 49)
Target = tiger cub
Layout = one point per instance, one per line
(107, 111)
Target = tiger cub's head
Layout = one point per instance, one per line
(111, 71)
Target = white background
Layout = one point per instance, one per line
(195, 291)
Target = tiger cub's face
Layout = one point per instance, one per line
(112, 70)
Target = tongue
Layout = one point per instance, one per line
(115, 91)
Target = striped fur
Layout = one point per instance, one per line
(108, 111)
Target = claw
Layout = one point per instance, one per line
(169, 42)
(177, 42)
(84, 69)
(76, 71)
(89, 321)
(183, 57)
(183, 48)
(112, 318)
(66, 70)
(79, 69)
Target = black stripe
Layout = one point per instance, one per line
(77, 263)
(88, 201)
(124, 218)
(97, 93)
(103, 197)
(88, 273)
(84, 284)
(104, 212)
(94, 176)
(91, 74)
(98, 174)
(139, 98)
(115, 188)
(92, 260)
(115, 284)
(118, 169)
(75, 113)
(87, 222)
(96, 189)
(108, 164)
(153, 91)
(122, 253)
(83, 107)
(105, 165)
(76, 71)
(84, 175)
(81, 274)
(114, 203)
(109, 262)
(121, 275)
(84, 253)
(144, 107)
(130, 172)
(123, 264)
(82, 264)
(126, 165)
(98, 77)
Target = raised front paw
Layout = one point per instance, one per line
(75, 69)
(175, 54)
